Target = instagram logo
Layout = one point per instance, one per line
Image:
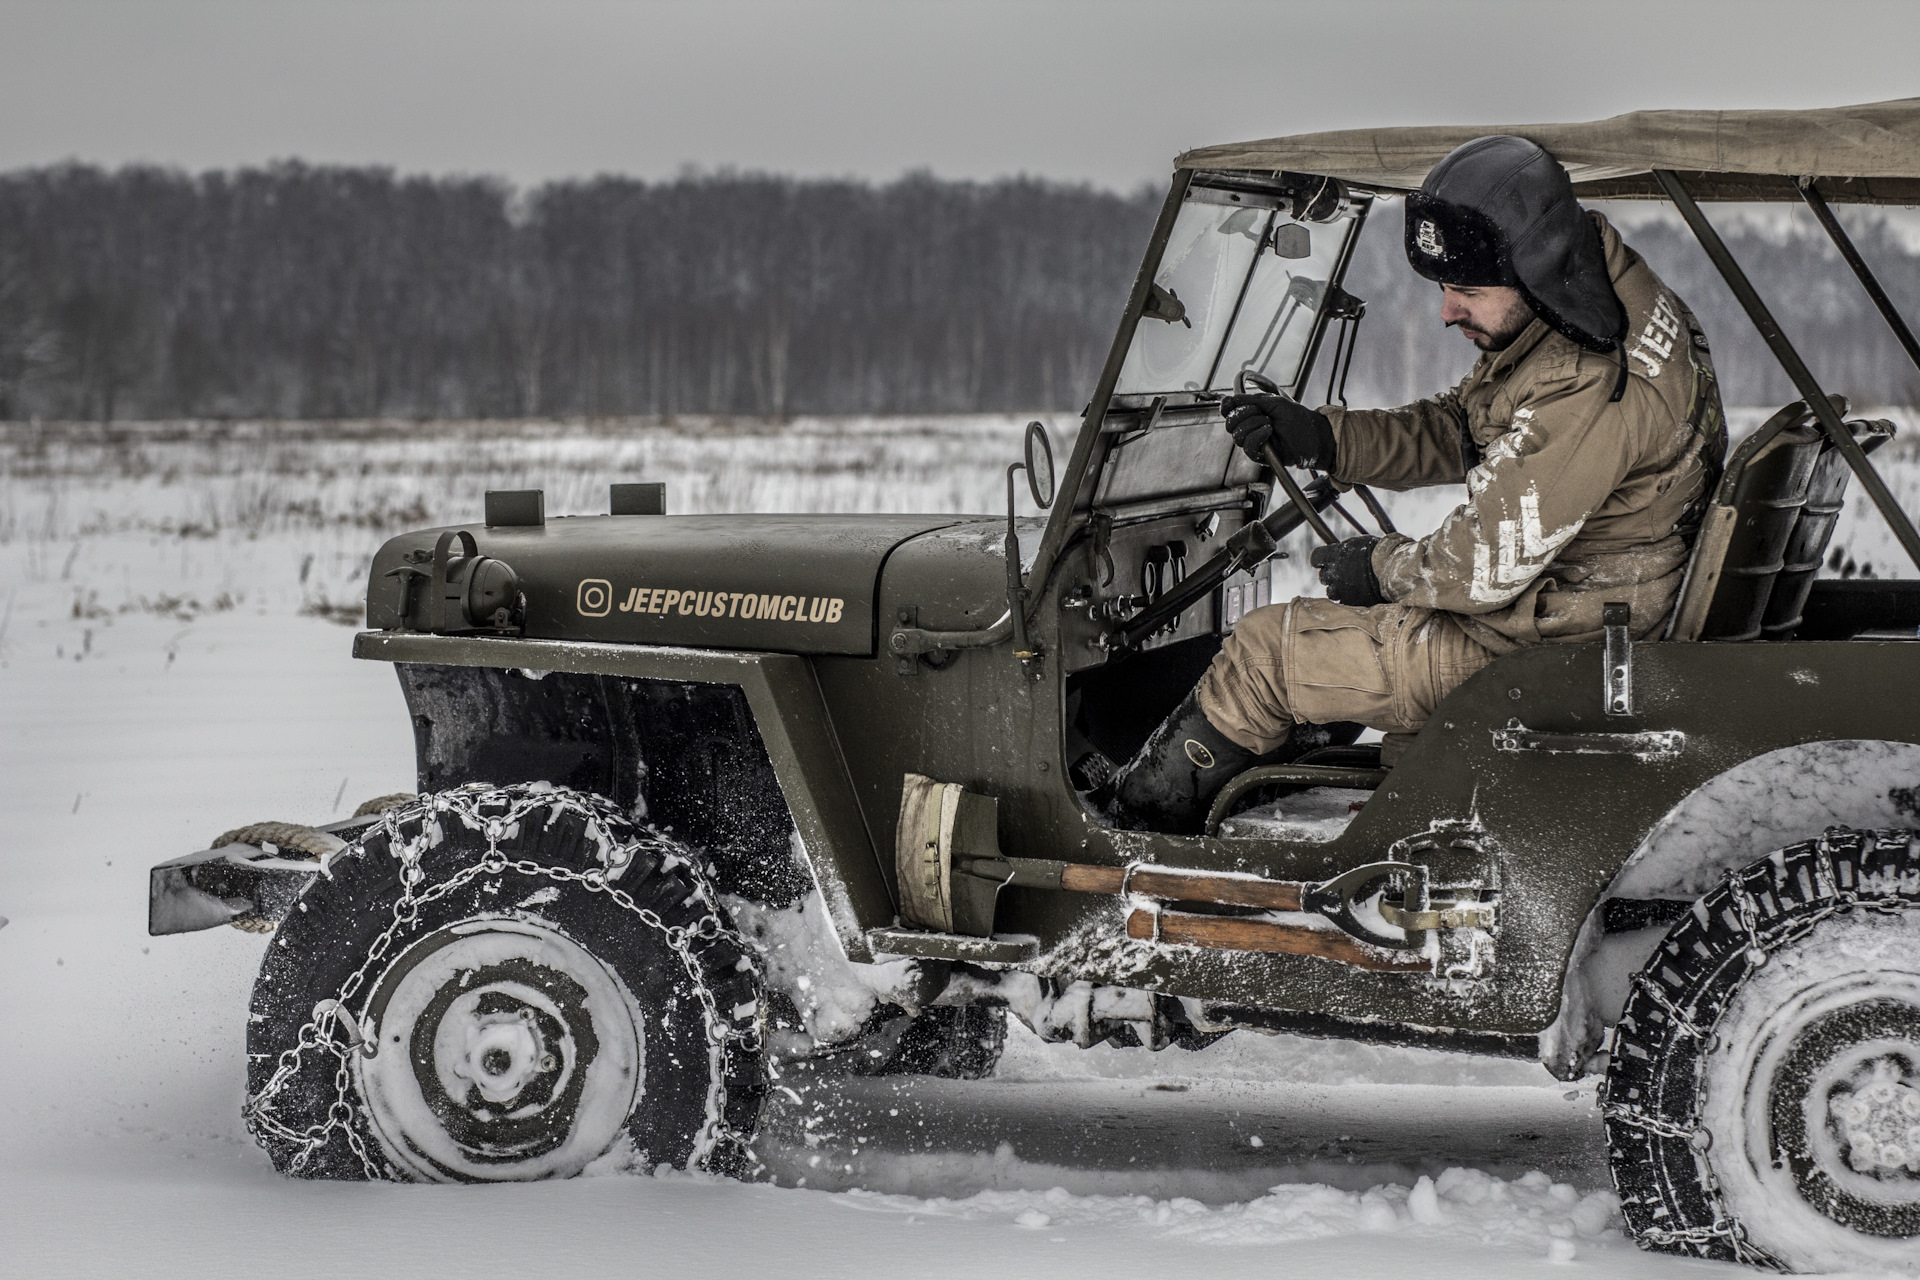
(594, 598)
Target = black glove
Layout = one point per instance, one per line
(1347, 570)
(1301, 436)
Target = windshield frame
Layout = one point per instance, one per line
(1081, 476)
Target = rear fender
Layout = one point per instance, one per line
(734, 753)
(1762, 804)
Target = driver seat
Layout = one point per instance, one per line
(1765, 534)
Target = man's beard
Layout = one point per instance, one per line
(1510, 327)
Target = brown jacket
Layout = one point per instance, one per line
(1576, 499)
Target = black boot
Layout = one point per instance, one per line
(1170, 783)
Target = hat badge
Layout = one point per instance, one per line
(1427, 237)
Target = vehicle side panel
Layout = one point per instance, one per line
(1553, 829)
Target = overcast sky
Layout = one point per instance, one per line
(1106, 91)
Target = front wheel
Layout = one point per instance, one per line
(505, 984)
(1763, 1097)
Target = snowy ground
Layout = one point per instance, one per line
(172, 664)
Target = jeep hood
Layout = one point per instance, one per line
(785, 583)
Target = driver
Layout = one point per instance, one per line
(1589, 436)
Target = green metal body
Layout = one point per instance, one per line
(1552, 829)
(877, 656)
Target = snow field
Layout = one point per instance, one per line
(122, 1070)
(312, 501)
(183, 519)
(1467, 1206)
(170, 667)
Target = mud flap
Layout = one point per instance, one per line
(946, 839)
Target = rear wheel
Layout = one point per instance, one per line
(1763, 1099)
(504, 984)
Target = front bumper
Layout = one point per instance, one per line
(234, 882)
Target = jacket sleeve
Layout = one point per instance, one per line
(1405, 448)
(1566, 452)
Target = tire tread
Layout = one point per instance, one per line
(1653, 1087)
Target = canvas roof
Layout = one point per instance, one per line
(1866, 154)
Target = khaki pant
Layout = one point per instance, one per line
(1315, 661)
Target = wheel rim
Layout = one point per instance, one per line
(1813, 1095)
(506, 1052)
(1845, 1115)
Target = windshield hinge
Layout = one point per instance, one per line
(1337, 304)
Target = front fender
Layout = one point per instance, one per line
(586, 734)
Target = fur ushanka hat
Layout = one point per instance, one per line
(1500, 211)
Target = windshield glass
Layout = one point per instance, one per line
(1238, 302)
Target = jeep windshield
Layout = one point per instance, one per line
(1240, 285)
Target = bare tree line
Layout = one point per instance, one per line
(297, 291)
(319, 292)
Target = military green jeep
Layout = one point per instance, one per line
(698, 793)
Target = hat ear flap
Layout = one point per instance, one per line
(1571, 290)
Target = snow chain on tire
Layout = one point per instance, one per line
(1653, 1096)
(715, 958)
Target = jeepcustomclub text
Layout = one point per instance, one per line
(733, 604)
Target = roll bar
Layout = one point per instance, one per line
(1783, 351)
(1844, 243)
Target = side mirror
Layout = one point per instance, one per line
(1039, 460)
(1291, 240)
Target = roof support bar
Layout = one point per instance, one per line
(1790, 360)
(1844, 243)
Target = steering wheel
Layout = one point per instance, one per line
(1253, 377)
